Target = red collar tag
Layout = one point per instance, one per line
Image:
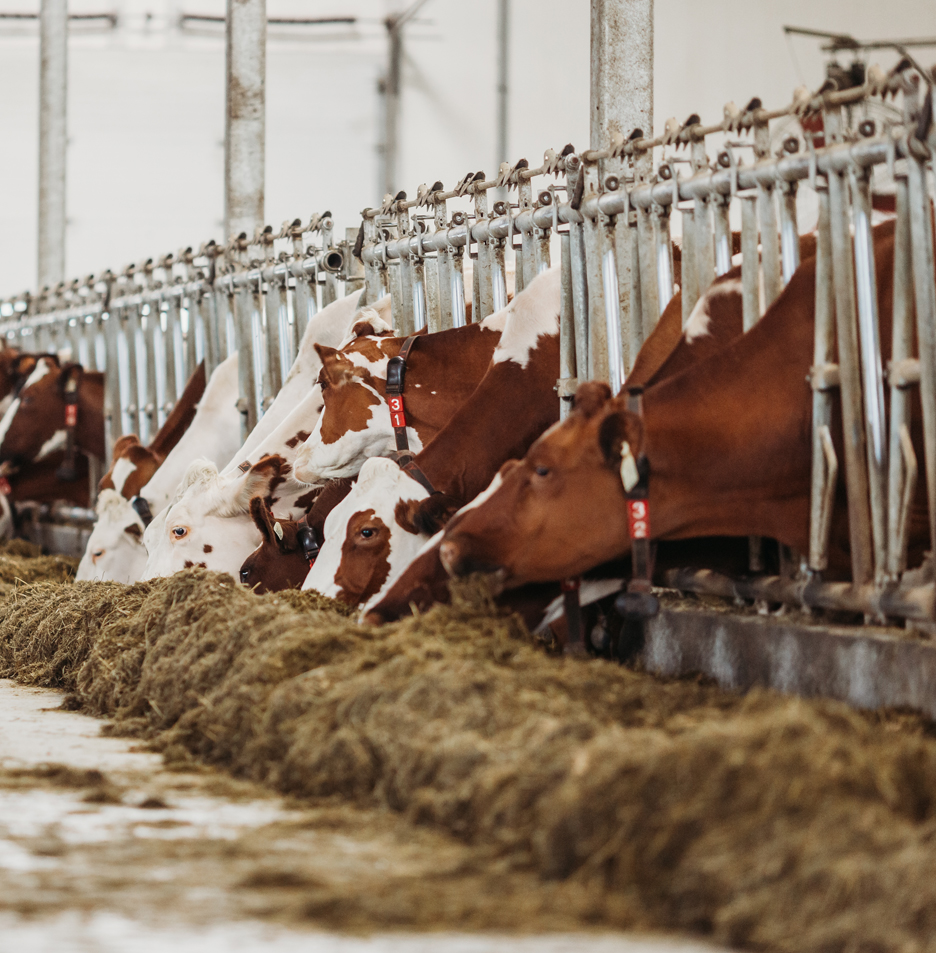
(638, 519)
(5, 487)
(397, 414)
(71, 415)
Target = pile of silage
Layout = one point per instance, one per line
(23, 562)
(766, 822)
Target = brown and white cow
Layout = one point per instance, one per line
(36, 422)
(442, 371)
(386, 518)
(132, 464)
(280, 561)
(728, 442)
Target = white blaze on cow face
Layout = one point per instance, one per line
(366, 546)
(698, 324)
(115, 550)
(55, 443)
(533, 314)
(212, 526)
(43, 366)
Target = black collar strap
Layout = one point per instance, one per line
(309, 543)
(141, 506)
(638, 511)
(67, 471)
(396, 383)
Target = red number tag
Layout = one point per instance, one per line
(638, 519)
(71, 415)
(5, 487)
(397, 415)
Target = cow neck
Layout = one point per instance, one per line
(447, 366)
(181, 416)
(396, 385)
(728, 440)
(508, 410)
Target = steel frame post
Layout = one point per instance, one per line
(172, 340)
(483, 303)
(902, 462)
(242, 301)
(53, 140)
(567, 382)
(750, 264)
(245, 117)
(664, 257)
(856, 474)
(113, 411)
(151, 408)
(721, 206)
(789, 231)
(824, 379)
(599, 345)
(921, 233)
(872, 373)
(689, 286)
(628, 275)
(330, 285)
(649, 279)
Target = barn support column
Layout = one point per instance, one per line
(245, 117)
(53, 82)
(621, 101)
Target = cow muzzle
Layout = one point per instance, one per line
(458, 563)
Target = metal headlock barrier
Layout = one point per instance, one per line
(609, 214)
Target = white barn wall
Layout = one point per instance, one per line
(146, 105)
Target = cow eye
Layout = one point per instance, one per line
(542, 471)
(179, 532)
(97, 554)
(245, 575)
(367, 532)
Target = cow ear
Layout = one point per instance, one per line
(22, 365)
(370, 322)
(426, 516)
(619, 428)
(262, 517)
(590, 397)
(134, 530)
(259, 480)
(124, 443)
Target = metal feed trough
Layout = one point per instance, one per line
(608, 213)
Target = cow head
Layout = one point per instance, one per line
(34, 424)
(209, 524)
(133, 466)
(115, 548)
(279, 562)
(371, 536)
(355, 421)
(559, 511)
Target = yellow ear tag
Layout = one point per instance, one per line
(629, 474)
(278, 530)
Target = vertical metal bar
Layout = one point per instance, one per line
(330, 287)
(113, 417)
(273, 363)
(484, 300)
(527, 239)
(567, 380)
(720, 209)
(190, 339)
(750, 264)
(433, 305)
(664, 257)
(459, 311)
(245, 116)
(823, 358)
(789, 231)
(443, 270)
(498, 275)
(921, 233)
(856, 474)
(900, 397)
(171, 342)
(151, 408)
(872, 372)
(649, 284)
(629, 287)
(579, 298)
(223, 303)
(420, 297)
(395, 279)
(689, 285)
(247, 381)
(286, 345)
(704, 246)
(53, 83)
(770, 244)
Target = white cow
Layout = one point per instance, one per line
(115, 548)
(194, 514)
